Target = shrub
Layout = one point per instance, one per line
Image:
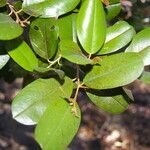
(67, 46)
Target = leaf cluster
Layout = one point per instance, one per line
(69, 46)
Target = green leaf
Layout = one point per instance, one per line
(9, 29)
(67, 27)
(57, 126)
(43, 69)
(114, 1)
(22, 54)
(145, 54)
(112, 11)
(30, 104)
(118, 35)
(3, 60)
(48, 8)
(44, 37)
(2, 3)
(91, 25)
(145, 77)
(50, 71)
(72, 52)
(141, 44)
(115, 71)
(113, 101)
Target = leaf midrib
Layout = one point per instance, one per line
(105, 74)
(34, 103)
(47, 94)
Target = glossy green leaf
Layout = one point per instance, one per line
(72, 52)
(113, 101)
(118, 35)
(145, 77)
(145, 54)
(57, 126)
(48, 8)
(141, 44)
(115, 71)
(9, 29)
(91, 25)
(2, 3)
(44, 37)
(22, 54)
(112, 11)
(67, 27)
(30, 104)
(3, 60)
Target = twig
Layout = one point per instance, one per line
(51, 63)
(73, 100)
(16, 13)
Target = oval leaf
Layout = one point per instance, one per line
(57, 126)
(114, 71)
(67, 27)
(112, 11)
(91, 25)
(22, 54)
(44, 37)
(141, 44)
(48, 8)
(119, 35)
(3, 60)
(30, 104)
(9, 29)
(72, 52)
(113, 101)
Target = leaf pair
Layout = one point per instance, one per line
(91, 25)
(44, 101)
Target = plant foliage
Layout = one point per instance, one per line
(69, 46)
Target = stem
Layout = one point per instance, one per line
(51, 63)
(73, 80)
(16, 13)
(76, 93)
(73, 100)
(90, 55)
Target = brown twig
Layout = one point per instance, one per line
(23, 23)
